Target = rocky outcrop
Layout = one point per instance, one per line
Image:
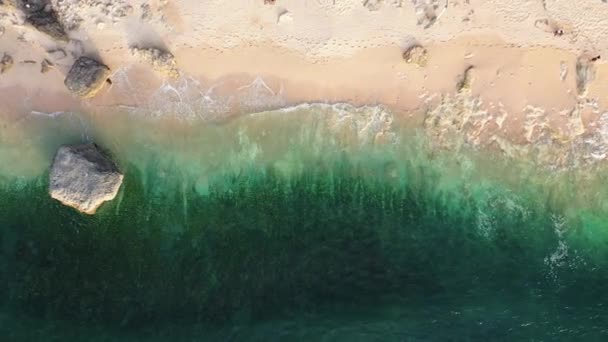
(86, 77)
(83, 177)
(161, 61)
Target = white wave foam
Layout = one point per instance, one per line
(51, 115)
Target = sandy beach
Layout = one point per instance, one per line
(511, 74)
(303, 170)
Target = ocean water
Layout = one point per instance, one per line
(311, 223)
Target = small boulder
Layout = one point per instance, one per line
(46, 22)
(86, 77)
(161, 61)
(416, 54)
(83, 177)
(6, 63)
(45, 66)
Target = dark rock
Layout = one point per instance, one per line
(84, 177)
(40, 15)
(47, 22)
(86, 77)
(32, 6)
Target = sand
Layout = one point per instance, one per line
(499, 73)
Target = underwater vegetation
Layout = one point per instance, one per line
(276, 229)
(260, 244)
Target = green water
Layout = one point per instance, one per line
(298, 227)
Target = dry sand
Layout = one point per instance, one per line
(498, 72)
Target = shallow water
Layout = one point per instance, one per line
(310, 223)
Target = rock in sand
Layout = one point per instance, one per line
(83, 177)
(86, 77)
(161, 61)
(45, 66)
(416, 54)
(6, 63)
(41, 15)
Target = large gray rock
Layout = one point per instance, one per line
(83, 177)
(86, 77)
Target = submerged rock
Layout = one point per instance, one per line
(83, 177)
(161, 61)
(86, 77)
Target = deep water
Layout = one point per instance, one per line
(323, 241)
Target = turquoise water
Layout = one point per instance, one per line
(298, 226)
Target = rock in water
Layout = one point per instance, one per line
(83, 177)
(161, 61)
(86, 77)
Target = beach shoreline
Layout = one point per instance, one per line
(494, 92)
(524, 74)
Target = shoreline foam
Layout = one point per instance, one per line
(521, 104)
